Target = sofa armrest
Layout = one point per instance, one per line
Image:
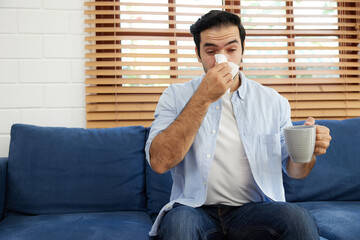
(3, 172)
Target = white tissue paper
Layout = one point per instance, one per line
(220, 58)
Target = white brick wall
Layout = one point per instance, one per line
(33, 21)
(57, 71)
(9, 71)
(64, 46)
(20, 46)
(18, 4)
(21, 96)
(9, 17)
(41, 65)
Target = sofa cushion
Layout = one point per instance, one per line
(336, 220)
(68, 170)
(89, 226)
(158, 189)
(335, 175)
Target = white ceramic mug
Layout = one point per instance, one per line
(300, 142)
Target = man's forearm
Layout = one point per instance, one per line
(300, 170)
(170, 147)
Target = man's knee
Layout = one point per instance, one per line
(296, 219)
(293, 213)
(181, 222)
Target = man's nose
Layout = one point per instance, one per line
(223, 52)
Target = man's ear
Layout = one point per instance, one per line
(197, 55)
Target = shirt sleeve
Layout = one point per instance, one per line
(165, 114)
(285, 114)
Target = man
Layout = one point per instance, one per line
(226, 150)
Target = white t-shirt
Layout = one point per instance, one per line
(230, 179)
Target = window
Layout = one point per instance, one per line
(306, 50)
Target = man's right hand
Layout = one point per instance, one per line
(215, 83)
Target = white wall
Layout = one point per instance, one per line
(41, 65)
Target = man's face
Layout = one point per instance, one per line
(223, 40)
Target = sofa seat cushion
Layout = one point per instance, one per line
(336, 220)
(90, 226)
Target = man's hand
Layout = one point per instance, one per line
(322, 142)
(215, 83)
(323, 137)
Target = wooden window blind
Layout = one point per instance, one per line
(306, 50)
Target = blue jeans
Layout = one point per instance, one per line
(261, 220)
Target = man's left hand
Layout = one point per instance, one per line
(323, 137)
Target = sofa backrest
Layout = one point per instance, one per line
(66, 170)
(158, 190)
(336, 174)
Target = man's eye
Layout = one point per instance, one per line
(210, 52)
(233, 50)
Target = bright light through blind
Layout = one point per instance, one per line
(306, 50)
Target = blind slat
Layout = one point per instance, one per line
(190, 39)
(155, 97)
(121, 116)
(174, 55)
(125, 46)
(281, 89)
(321, 96)
(194, 5)
(121, 107)
(317, 89)
(174, 5)
(325, 113)
(112, 81)
(246, 65)
(199, 72)
(113, 124)
(133, 98)
(298, 23)
(325, 104)
(119, 12)
(125, 89)
(265, 81)
(250, 31)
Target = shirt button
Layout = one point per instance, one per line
(208, 156)
(213, 131)
(217, 107)
(204, 183)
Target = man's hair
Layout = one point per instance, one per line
(216, 19)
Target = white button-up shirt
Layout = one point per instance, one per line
(261, 115)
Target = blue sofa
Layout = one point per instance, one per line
(71, 183)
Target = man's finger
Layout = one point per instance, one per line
(310, 121)
(221, 66)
